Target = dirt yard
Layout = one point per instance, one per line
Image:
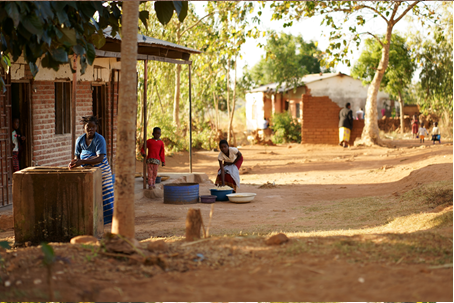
(365, 224)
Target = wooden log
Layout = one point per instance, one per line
(193, 224)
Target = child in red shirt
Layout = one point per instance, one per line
(155, 148)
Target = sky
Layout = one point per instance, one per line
(310, 29)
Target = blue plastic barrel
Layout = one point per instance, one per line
(181, 193)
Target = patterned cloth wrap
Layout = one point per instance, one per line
(344, 134)
(107, 184)
(153, 161)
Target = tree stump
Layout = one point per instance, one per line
(193, 224)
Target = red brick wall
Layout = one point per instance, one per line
(50, 149)
(320, 121)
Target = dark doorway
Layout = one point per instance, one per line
(21, 109)
(99, 93)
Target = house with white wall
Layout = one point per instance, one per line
(264, 101)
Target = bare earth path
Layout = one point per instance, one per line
(365, 224)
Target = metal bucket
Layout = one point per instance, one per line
(181, 193)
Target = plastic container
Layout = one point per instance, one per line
(207, 199)
(181, 193)
(221, 195)
(158, 180)
(241, 197)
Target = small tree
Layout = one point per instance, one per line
(399, 73)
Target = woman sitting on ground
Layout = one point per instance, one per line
(230, 160)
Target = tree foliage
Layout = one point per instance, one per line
(400, 69)
(288, 59)
(219, 33)
(52, 31)
(434, 55)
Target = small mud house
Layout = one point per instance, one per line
(315, 104)
(50, 105)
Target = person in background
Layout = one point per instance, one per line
(230, 160)
(156, 156)
(91, 151)
(17, 142)
(345, 125)
(360, 114)
(414, 126)
(383, 112)
(422, 133)
(436, 135)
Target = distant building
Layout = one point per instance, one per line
(262, 102)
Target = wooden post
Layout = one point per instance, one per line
(123, 217)
(193, 224)
(73, 109)
(145, 122)
(190, 121)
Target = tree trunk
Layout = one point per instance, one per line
(228, 99)
(232, 113)
(371, 135)
(216, 113)
(401, 105)
(123, 217)
(176, 102)
(194, 224)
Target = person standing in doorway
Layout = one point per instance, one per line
(156, 156)
(345, 125)
(17, 142)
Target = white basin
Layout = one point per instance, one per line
(241, 197)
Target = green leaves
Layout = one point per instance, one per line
(164, 10)
(5, 245)
(49, 254)
(13, 12)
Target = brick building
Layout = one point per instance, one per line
(262, 102)
(50, 105)
(315, 104)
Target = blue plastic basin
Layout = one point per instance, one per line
(221, 195)
(181, 193)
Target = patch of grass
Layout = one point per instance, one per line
(432, 195)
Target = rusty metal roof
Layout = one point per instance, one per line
(142, 39)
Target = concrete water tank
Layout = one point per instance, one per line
(54, 204)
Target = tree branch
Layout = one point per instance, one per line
(376, 38)
(405, 11)
(195, 24)
(375, 10)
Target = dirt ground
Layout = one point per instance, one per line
(365, 224)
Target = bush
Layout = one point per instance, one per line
(286, 129)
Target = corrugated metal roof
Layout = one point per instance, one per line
(305, 80)
(153, 41)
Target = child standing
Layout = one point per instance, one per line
(436, 136)
(422, 133)
(155, 156)
(414, 126)
(17, 140)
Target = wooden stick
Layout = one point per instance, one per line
(209, 221)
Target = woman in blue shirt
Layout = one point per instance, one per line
(91, 151)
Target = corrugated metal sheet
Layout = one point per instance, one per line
(306, 80)
(153, 41)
